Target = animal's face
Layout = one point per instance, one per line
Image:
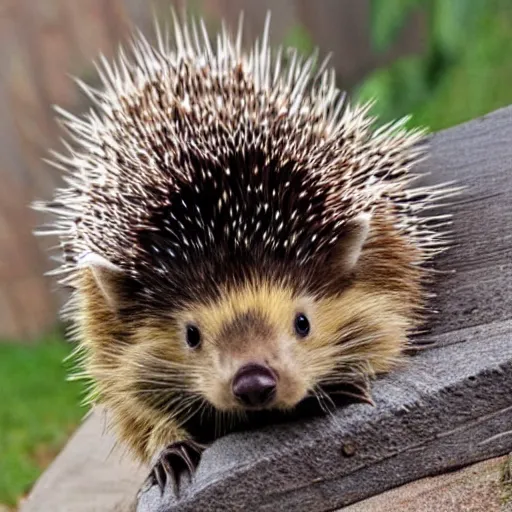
(250, 345)
(265, 346)
(261, 344)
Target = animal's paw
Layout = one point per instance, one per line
(173, 462)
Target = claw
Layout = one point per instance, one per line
(175, 460)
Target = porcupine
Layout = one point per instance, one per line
(238, 239)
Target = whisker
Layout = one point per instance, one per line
(324, 397)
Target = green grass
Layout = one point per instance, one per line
(38, 411)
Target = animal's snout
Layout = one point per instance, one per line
(254, 385)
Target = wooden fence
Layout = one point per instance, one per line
(43, 41)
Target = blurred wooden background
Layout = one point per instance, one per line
(43, 41)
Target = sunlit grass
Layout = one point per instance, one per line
(38, 411)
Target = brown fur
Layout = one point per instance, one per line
(359, 328)
(231, 192)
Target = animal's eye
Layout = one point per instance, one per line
(193, 336)
(302, 325)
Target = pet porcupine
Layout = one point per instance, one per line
(237, 237)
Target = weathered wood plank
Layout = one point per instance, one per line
(89, 475)
(450, 407)
(481, 487)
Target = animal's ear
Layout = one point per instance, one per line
(108, 277)
(351, 243)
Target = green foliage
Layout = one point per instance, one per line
(453, 23)
(386, 19)
(398, 89)
(38, 411)
(464, 72)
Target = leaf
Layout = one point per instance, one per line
(387, 17)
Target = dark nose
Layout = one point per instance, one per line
(254, 385)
